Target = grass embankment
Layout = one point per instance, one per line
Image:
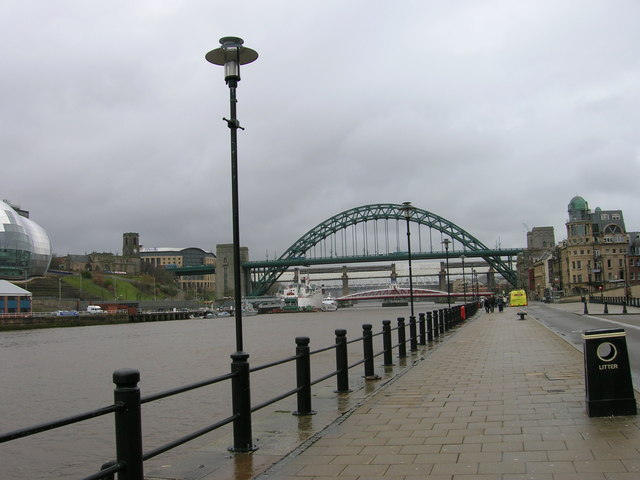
(116, 288)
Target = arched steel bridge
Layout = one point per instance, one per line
(366, 234)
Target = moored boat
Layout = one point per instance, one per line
(329, 304)
(300, 297)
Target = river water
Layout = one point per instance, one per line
(54, 373)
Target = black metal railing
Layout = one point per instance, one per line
(127, 406)
(609, 300)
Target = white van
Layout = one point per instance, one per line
(94, 309)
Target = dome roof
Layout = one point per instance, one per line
(25, 245)
(578, 203)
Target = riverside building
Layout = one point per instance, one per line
(25, 247)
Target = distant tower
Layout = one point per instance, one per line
(130, 244)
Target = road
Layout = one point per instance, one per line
(569, 321)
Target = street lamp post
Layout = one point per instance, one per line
(446, 243)
(626, 284)
(408, 209)
(474, 284)
(231, 55)
(464, 283)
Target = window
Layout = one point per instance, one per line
(604, 216)
(579, 264)
(579, 278)
(608, 263)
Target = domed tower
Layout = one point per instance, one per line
(579, 224)
(578, 252)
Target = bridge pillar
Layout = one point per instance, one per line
(491, 280)
(345, 281)
(225, 268)
(394, 274)
(442, 283)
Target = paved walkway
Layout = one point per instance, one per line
(500, 399)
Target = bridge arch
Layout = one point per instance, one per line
(302, 250)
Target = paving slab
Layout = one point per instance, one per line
(499, 399)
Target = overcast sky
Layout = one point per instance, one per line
(491, 114)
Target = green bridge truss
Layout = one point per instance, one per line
(265, 273)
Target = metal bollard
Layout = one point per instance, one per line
(367, 348)
(303, 377)
(413, 334)
(342, 361)
(386, 343)
(402, 338)
(606, 308)
(422, 328)
(443, 319)
(430, 326)
(436, 323)
(128, 423)
(241, 403)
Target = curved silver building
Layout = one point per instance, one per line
(25, 247)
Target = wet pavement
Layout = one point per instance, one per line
(499, 399)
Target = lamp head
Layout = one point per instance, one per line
(407, 209)
(231, 54)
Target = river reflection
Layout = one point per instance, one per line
(54, 373)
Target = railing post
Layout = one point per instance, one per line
(402, 338)
(422, 329)
(241, 402)
(128, 421)
(430, 326)
(413, 333)
(342, 361)
(303, 377)
(367, 348)
(436, 323)
(443, 320)
(107, 465)
(386, 343)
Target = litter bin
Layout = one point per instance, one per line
(608, 384)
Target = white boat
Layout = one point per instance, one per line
(329, 304)
(248, 310)
(303, 296)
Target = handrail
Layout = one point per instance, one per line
(43, 427)
(127, 404)
(273, 364)
(185, 388)
(187, 438)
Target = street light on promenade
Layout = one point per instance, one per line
(474, 284)
(446, 243)
(231, 55)
(408, 209)
(464, 283)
